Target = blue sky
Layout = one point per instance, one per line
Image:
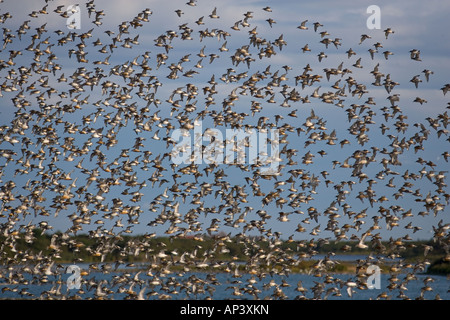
(417, 25)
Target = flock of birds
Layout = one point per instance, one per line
(89, 143)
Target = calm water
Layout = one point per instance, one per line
(222, 290)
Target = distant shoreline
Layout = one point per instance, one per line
(437, 267)
(302, 254)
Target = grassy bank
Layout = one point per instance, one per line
(87, 249)
(439, 266)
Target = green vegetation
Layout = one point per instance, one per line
(87, 248)
(439, 266)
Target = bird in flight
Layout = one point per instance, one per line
(168, 155)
